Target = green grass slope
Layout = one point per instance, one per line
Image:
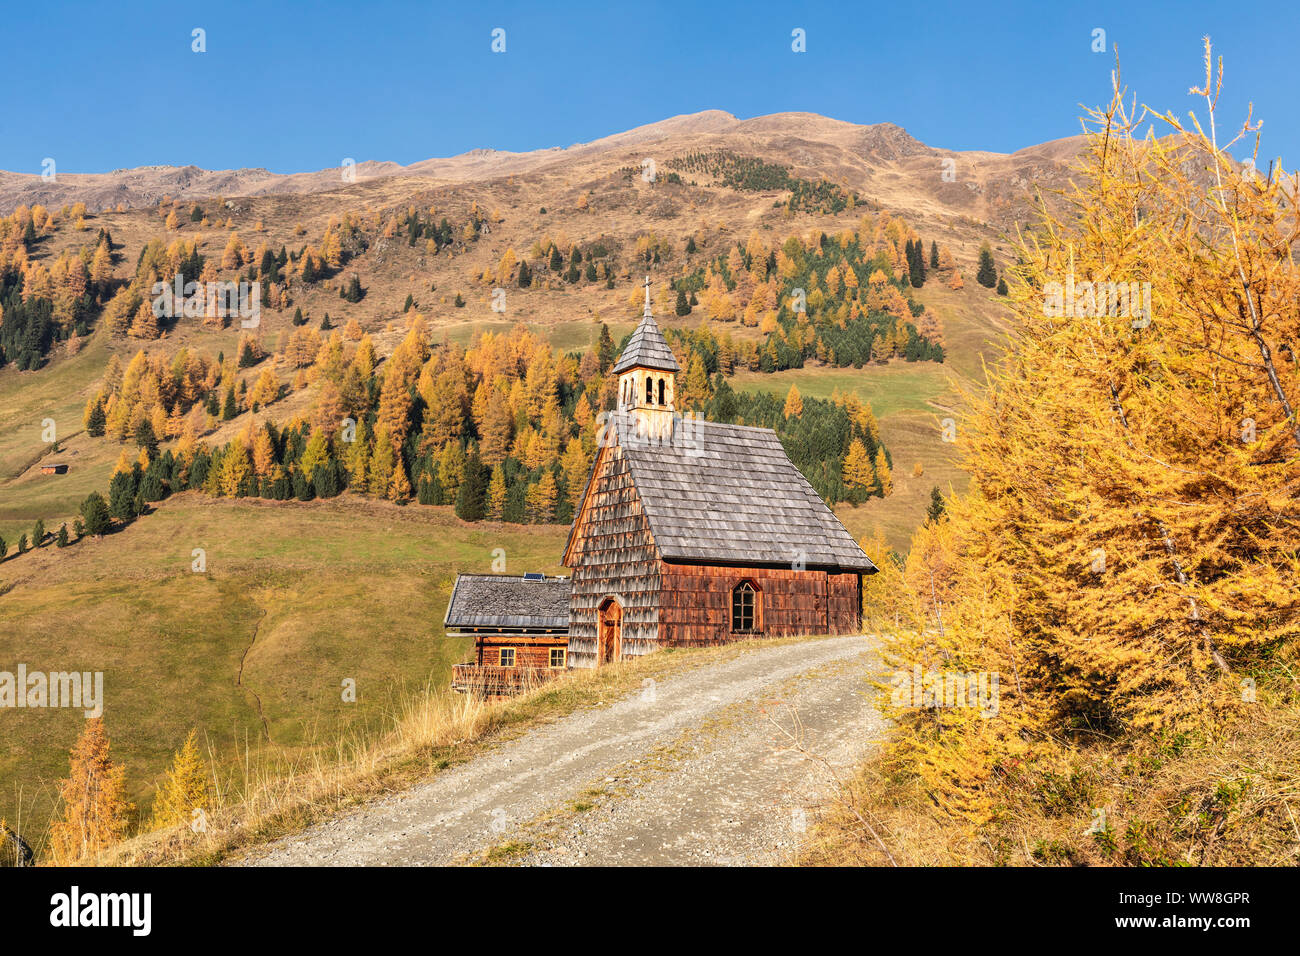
(296, 599)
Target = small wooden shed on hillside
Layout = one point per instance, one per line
(520, 628)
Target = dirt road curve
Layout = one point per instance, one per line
(698, 768)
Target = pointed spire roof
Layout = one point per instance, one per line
(647, 348)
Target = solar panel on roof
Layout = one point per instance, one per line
(534, 576)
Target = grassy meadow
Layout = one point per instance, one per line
(296, 599)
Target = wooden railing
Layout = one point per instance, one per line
(490, 680)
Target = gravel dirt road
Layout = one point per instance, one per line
(723, 764)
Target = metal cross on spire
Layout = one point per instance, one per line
(647, 296)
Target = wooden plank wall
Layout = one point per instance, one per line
(613, 556)
(530, 650)
(696, 609)
(845, 613)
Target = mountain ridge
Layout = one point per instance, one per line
(881, 160)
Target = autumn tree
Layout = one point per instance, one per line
(859, 476)
(95, 807)
(236, 253)
(184, 788)
(1127, 549)
(884, 477)
(496, 495)
(793, 403)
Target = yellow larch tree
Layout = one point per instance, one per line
(95, 808)
(184, 788)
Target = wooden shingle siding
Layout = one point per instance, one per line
(613, 555)
(729, 493)
(647, 348)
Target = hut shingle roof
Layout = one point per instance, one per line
(508, 600)
(729, 494)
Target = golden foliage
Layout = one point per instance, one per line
(1127, 555)
(184, 789)
(95, 807)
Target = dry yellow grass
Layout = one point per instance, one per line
(267, 793)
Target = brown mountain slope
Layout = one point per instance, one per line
(881, 161)
(589, 195)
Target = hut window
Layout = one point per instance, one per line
(661, 391)
(744, 607)
(557, 656)
(507, 657)
(649, 390)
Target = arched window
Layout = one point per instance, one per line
(661, 391)
(745, 607)
(649, 390)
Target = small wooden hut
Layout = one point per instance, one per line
(520, 629)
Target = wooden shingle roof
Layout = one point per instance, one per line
(508, 600)
(729, 494)
(647, 348)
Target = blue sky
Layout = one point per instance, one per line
(291, 87)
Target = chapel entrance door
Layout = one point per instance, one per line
(609, 638)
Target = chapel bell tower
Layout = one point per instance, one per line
(647, 377)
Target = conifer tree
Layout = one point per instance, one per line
(399, 487)
(576, 464)
(184, 789)
(471, 495)
(496, 495)
(95, 514)
(383, 460)
(884, 478)
(1127, 550)
(95, 808)
(540, 499)
(793, 403)
(987, 274)
(683, 307)
(96, 419)
(858, 475)
(935, 509)
(121, 496)
(605, 349)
